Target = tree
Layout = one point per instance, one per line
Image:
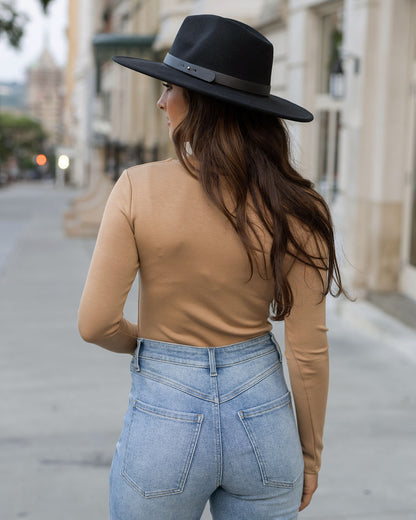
(20, 137)
(45, 4)
(12, 21)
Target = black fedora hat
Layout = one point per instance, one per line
(224, 59)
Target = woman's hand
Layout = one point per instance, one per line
(310, 483)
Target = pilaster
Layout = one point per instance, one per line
(372, 161)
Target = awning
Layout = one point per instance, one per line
(106, 45)
(109, 44)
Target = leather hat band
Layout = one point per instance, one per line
(212, 76)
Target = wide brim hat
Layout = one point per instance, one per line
(221, 58)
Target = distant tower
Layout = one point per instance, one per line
(45, 86)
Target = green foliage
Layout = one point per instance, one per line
(336, 46)
(45, 4)
(20, 137)
(12, 21)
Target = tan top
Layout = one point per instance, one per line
(194, 286)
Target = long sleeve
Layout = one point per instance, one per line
(306, 350)
(113, 268)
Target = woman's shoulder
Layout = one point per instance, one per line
(157, 181)
(153, 170)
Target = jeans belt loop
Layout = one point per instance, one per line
(136, 355)
(276, 344)
(212, 362)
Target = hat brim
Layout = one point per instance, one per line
(269, 104)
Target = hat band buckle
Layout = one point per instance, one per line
(211, 76)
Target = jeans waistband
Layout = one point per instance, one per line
(204, 357)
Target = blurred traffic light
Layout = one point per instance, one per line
(41, 159)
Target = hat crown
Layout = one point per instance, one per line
(224, 59)
(226, 46)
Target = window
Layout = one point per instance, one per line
(331, 49)
(329, 137)
(329, 99)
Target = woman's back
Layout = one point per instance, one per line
(195, 285)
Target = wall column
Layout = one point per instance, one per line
(369, 212)
(301, 81)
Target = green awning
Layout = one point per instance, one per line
(109, 44)
(106, 45)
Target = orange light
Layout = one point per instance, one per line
(41, 159)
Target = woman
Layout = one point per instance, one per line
(219, 237)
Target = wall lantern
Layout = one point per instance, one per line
(337, 80)
(337, 76)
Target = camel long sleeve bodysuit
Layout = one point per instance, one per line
(194, 286)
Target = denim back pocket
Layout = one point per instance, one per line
(159, 449)
(274, 437)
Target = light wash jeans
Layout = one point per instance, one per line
(207, 424)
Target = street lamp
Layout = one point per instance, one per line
(63, 164)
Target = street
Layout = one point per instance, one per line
(63, 400)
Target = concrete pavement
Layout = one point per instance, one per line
(63, 401)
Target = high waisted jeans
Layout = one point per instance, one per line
(207, 424)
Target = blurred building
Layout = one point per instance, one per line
(351, 62)
(110, 120)
(366, 142)
(69, 119)
(45, 96)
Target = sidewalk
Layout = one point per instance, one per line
(369, 457)
(64, 400)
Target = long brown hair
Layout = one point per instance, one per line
(243, 154)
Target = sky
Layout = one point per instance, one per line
(38, 29)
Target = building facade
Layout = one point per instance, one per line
(45, 96)
(351, 62)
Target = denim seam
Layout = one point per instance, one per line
(198, 365)
(173, 384)
(217, 426)
(171, 362)
(272, 407)
(137, 405)
(218, 442)
(228, 397)
(231, 395)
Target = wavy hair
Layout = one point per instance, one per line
(243, 155)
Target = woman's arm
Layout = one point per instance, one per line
(306, 350)
(113, 268)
